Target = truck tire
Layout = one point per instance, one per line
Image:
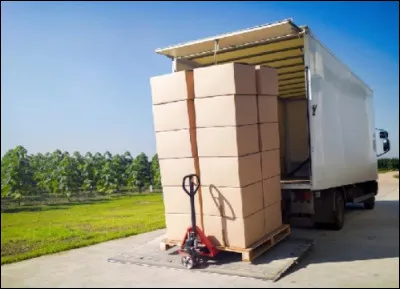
(369, 204)
(338, 214)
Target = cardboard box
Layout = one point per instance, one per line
(227, 141)
(267, 80)
(272, 190)
(282, 138)
(177, 225)
(176, 144)
(234, 172)
(174, 170)
(222, 231)
(270, 161)
(172, 87)
(269, 136)
(232, 202)
(267, 108)
(174, 116)
(235, 233)
(176, 201)
(273, 217)
(224, 79)
(227, 110)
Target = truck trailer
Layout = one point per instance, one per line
(326, 118)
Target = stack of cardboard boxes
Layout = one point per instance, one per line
(220, 122)
(174, 125)
(267, 98)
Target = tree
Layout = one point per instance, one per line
(88, 173)
(16, 174)
(155, 172)
(126, 162)
(67, 176)
(108, 181)
(78, 163)
(140, 173)
(98, 162)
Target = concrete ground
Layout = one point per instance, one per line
(364, 254)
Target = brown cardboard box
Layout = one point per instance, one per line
(273, 217)
(176, 144)
(214, 229)
(172, 87)
(173, 170)
(177, 225)
(232, 202)
(223, 79)
(269, 135)
(241, 233)
(235, 233)
(235, 172)
(282, 125)
(297, 131)
(267, 80)
(222, 231)
(176, 201)
(272, 190)
(174, 115)
(227, 141)
(227, 110)
(267, 108)
(270, 161)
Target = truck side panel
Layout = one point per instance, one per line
(341, 121)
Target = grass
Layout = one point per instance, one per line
(382, 171)
(32, 231)
(396, 176)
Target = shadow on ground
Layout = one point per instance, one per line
(51, 207)
(366, 235)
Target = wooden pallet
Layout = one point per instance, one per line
(250, 253)
(263, 245)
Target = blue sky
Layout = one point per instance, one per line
(75, 76)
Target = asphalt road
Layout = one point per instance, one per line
(364, 254)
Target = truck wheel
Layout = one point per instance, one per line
(338, 214)
(369, 204)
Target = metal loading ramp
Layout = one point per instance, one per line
(270, 266)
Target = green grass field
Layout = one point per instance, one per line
(32, 231)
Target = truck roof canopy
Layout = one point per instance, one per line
(279, 45)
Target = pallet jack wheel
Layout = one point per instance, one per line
(188, 262)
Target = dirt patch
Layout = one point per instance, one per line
(388, 178)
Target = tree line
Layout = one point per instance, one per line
(388, 164)
(62, 174)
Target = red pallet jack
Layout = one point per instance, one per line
(195, 245)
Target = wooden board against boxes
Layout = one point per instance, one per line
(221, 122)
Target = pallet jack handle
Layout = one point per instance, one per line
(193, 181)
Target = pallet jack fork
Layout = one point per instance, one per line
(195, 244)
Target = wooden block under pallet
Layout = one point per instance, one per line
(167, 244)
(261, 246)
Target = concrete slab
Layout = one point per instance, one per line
(269, 266)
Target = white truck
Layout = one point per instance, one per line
(326, 118)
